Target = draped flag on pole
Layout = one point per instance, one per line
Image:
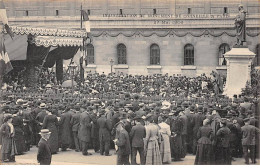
(5, 64)
(3, 18)
(86, 20)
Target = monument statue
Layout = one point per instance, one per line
(240, 23)
(217, 83)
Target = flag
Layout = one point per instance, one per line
(3, 18)
(5, 64)
(84, 14)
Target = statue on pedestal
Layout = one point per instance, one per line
(217, 83)
(240, 23)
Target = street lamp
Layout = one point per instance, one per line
(111, 64)
(72, 68)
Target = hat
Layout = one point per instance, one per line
(42, 105)
(48, 86)
(148, 116)
(116, 108)
(192, 108)
(170, 114)
(246, 119)
(138, 118)
(200, 109)
(128, 106)
(141, 104)
(45, 131)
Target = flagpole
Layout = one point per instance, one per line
(81, 15)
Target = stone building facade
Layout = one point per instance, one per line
(186, 37)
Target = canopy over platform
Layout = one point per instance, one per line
(47, 31)
(45, 37)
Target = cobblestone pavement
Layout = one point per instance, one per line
(71, 157)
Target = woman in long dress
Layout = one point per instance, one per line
(8, 148)
(19, 134)
(165, 147)
(50, 122)
(204, 154)
(152, 141)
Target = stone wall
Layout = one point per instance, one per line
(18, 8)
(206, 49)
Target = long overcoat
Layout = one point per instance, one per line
(84, 132)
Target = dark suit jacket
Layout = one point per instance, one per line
(85, 127)
(44, 152)
(65, 128)
(198, 122)
(40, 117)
(123, 143)
(74, 122)
(249, 134)
(137, 134)
(105, 127)
(184, 120)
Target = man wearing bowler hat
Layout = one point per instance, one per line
(44, 150)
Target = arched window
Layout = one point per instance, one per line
(258, 55)
(223, 48)
(90, 54)
(188, 54)
(154, 54)
(121, 54)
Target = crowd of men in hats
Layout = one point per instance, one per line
(189, 119)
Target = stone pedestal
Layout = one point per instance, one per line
(238, 69)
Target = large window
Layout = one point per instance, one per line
(121, 54)
(154, 54)
(223, 48)
(258, 55)
(188, 54)
(90, 54)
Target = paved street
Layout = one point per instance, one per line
(71, 157)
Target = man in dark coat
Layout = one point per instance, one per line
(105, 127)
(44, 150)
(223, 155)
(39, 119)
(65, 130)
(136, 135)
(249, 140)
(190, 123)
(198, 122)
(184, 120)
(74, 122)
(175, 140)
(84, 133)
(95, 131)
(123, 143)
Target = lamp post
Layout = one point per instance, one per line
(72, 68)
(111, 64)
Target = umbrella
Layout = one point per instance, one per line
(68, 83)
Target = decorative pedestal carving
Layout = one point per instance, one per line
(238, 69)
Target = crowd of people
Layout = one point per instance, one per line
(120, 112)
